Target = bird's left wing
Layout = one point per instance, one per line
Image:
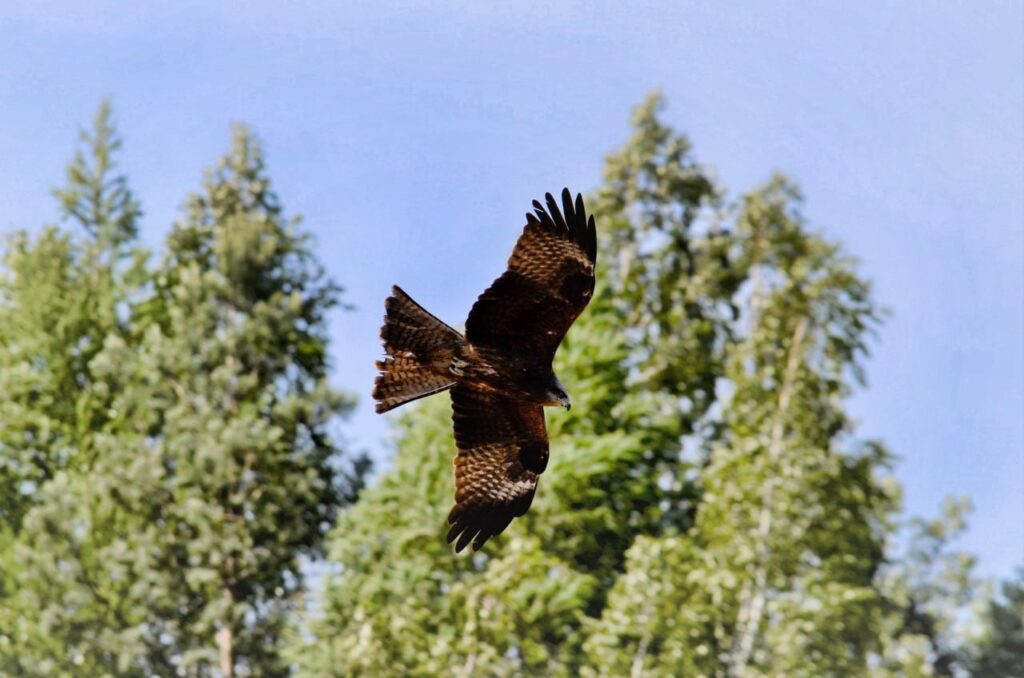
(549, 281)
(503, 449)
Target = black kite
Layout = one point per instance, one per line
(499, 373)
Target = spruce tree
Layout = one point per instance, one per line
(59, 299)
(171, 541)
(63, 293)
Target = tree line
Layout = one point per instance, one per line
(169, 465)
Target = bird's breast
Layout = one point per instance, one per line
(487, 369)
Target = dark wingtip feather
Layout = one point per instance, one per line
(475, 527)
(502, 523)
(556, 213)
(569, 220)
(544, 217)
(453, 532)
(592, 238)
(581, 216)
(464, 539)
(462, 532)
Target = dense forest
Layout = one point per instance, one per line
(169, 478)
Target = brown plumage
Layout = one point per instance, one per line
(499, 373)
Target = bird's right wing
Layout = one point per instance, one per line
(549, 281)
(503, 449)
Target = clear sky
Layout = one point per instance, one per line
(412, 136)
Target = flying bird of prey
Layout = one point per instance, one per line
(499, 373)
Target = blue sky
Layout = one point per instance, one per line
(412, 136)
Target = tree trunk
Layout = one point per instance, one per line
(754, 594)
(225, 640)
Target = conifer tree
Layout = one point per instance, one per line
(59, 295)
(172, 544)
(63, 293)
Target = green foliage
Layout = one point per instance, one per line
(1000, 650)
(614, 473)
(95, 197)
(61, 296)
(169, 462)
(671, 262)
(698, 495)
(166, 466)
(776, 575)
(707, 510)
(928, 589)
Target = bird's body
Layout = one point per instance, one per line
(507, 373)
(499, 374)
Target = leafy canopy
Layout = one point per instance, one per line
(166, 457)
(707, 509)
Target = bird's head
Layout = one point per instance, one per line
(557, 397)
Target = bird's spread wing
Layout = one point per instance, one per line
(503, 449)
(550, 279)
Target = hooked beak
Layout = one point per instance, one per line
(560, 395)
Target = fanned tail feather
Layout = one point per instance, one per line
(419, 351)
